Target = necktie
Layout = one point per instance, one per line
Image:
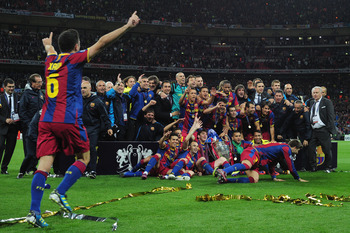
(259, 98)
(170, 100)
(313, 110)
(10, 102)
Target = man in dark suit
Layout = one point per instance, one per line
(8, 123)
(322, 118)
(162, 109)
(257, 94)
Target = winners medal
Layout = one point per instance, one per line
(214, 126)
(145, 101)
(249, 127)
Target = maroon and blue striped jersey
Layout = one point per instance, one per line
(274, 152)
(63, 99)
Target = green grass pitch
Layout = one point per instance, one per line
(179, 211)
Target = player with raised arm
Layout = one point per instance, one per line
(61, 126)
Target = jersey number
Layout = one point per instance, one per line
(52, 85)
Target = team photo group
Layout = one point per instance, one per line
(233, 131)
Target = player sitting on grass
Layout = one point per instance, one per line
(205, 163)
(151, 163)
(167, 162)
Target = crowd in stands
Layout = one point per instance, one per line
(201, 12)
(196, 52)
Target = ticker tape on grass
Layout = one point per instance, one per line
(311, 199)
(47, 214)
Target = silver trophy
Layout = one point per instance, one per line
(222, 149)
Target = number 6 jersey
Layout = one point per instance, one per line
(63, 99)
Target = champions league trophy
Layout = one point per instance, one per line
(222, 149)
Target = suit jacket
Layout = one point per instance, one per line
(327, 115)
(264, 96)
(5, 112)
(162, 110)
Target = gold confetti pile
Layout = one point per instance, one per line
(311, 199)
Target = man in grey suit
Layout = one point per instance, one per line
(322, 118)
(8, 123)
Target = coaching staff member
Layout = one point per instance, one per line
(31, 102)
(322, 122)
(95, 118)
(8, 123)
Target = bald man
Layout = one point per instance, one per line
(95, 118)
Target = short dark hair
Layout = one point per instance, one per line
(148, 110)
(222, 100)
(86, 78)
(256, 84)
(199, 131)
(257, 131)
(257, 79)
(203, 87)
(192, 140)
(279, 91)
(230, 106)
(265, 103)
(31, 78)
(236, 131)
(295, 143)
(8, 81)
(249, 103)
(165, 81)
(176, 128)
(67, 40)
(173, 134)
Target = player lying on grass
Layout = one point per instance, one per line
(263, 155)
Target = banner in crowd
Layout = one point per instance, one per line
(64, 15)
(118, 157)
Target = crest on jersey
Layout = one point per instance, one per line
(320, 156)
(92, 105)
